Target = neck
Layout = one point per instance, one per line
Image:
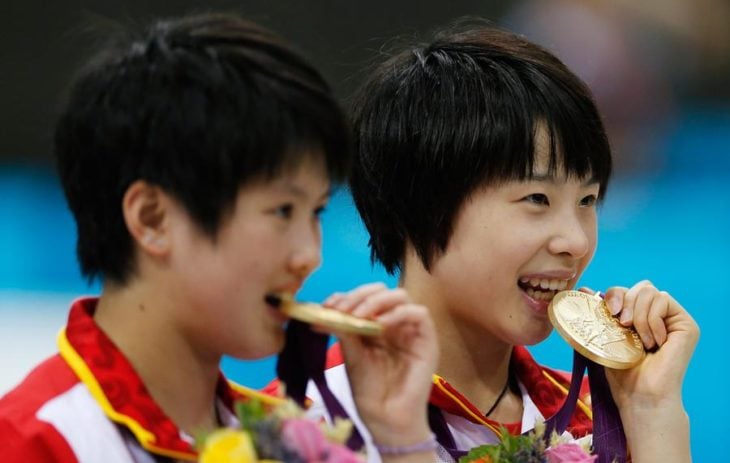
(472, 360)
(180, 380)
(475, 364)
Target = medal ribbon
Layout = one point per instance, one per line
(303, 358)
(609, 441)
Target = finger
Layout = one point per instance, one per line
(407, 323)
(627, 310)
(357, 295)
(380, 302)
(332, 300)
(405, 314)
(614, 298)
(351, 349)
(587, 290)
(641, 307)
(657, 315)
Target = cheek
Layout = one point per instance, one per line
(592, 236)
(592, 233)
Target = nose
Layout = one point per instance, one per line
(574, 235)
(306, 254)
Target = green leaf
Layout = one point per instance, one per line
(510, 449)
(492, 451)
(250, 412)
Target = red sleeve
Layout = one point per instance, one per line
(38, 443)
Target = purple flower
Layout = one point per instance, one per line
(568, 453)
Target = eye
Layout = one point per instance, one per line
(589, 201)
(537, 198)
(319, 211)
(284, 211)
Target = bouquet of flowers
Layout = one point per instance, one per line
(530, 448)
(279, 434)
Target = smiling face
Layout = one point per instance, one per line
(270, 243)
(513, 246)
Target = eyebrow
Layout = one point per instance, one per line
(548, 178)
(301, 193)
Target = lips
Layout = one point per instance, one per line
(274, 297)
(274, 301)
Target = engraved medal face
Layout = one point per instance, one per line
(585, 322)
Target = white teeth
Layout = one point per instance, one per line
(540, 295)
(544, 283)
(543, 288)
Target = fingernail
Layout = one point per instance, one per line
(614, 305)
(335, 301)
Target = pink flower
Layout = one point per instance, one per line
(304, 437)
(568, 453)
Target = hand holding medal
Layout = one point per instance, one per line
(390, 348)
(648, 393)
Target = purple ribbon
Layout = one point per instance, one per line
(609, 442)
(304, 357)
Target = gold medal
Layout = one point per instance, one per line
(585, 322)
(315, 314)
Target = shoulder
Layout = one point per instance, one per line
(548, 388)
(269, 395)
(49, 379)
(531, 372)
(24, 436)
(564, 378)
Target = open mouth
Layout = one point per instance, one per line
(274, 300)
(542, 289)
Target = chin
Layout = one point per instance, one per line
(535, 338)
(261, 347)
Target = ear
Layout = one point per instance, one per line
(145, 209)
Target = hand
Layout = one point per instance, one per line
(390, 375)
(668, 333)
(649, 395)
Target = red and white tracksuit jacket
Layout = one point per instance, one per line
(87, 404)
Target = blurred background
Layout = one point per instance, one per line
(660, 70)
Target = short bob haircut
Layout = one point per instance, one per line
(434, 123)
(199, 106)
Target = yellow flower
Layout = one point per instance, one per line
(339, 432)
(228, 446)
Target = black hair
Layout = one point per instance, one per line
(199, 106)
(435, 122)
